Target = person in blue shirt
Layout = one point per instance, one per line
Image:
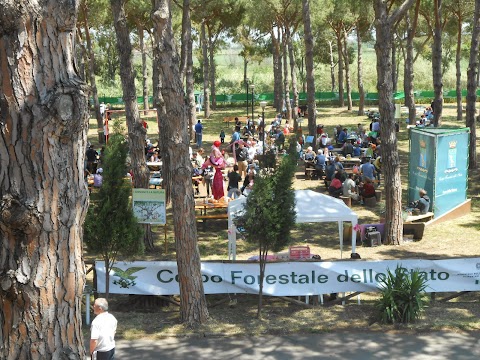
(320, 163)
(357, 151)
(368, 170)
(342, 136)
(199, 133)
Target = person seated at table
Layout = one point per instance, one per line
(338, 164)
(323, 141)
(349, 188)
(357, 151)
(330, 170)
(155, 157)
(320, 163)
(422, 204)
(98, 178)
(309, 155)
(208, 174)
(347, 148)
(367, 190)
(367, 169)
(371, 151)
(342, 136)
(233, 179)
(335, 188)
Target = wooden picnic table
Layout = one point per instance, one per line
(154, 165)
(203, 206)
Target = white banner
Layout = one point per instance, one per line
(288, 278)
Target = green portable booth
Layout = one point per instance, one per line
(439, 164)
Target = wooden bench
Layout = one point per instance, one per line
(204, 218)
(415, 229)
(419, 218)
(228, 119)
(309, 173)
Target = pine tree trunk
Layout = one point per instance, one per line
(213, 70)
(43, 122)
(293, 75)
(91, 72)
(347, 70)
(361, 89)
(341, 97)
(277, 72)
(309, 67)
(332, 66)
(408, 76)
(437, 64)
(394, 68)
(190, 82)
(193, 305)
(286, 83)
(472, 74)
(458, 59)
(144, 68)
(391, 161)
(206, 72)
(136, 131)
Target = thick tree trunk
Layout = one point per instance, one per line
(332, 66)
(159, 104)
(136, 131)
(286, 83)
(190, 82)
(144, 67)
(293, 75)
(361, 89)
(341, 97)
(193, 305)
(437, 75)
(206, 72)
(472, 74)
(43, 195)
(458, 59)
(391, 161)
(394, 67)
(312, 111)
(91, 72)
(347, 70)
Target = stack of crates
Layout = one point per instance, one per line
(299, 252)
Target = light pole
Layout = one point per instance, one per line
(246, 86)
(252, 87)
(263, 104)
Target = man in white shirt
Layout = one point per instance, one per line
(104, 326)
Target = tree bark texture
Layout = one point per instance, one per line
(437, 75)
(361, 89)
(341, 97)
(193, 305)
(136, 131)
(213, 70)
(191, 109)
(458, 73)
(409, 76)
(141, 40)
(286, 83)
(293, 75)
(91, 72)
(43, 196)
(472, 74)
(347, 70)
(206, 72)
(394, 67)
(277, 72)
(332, 66)
(312, 111)
(390, 158)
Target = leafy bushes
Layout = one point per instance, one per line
(402, 296)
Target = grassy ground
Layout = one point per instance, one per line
(456, 238)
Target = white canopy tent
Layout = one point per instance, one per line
(310, 207)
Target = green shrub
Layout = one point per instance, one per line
(402, 296)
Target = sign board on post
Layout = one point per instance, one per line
(149, 206)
